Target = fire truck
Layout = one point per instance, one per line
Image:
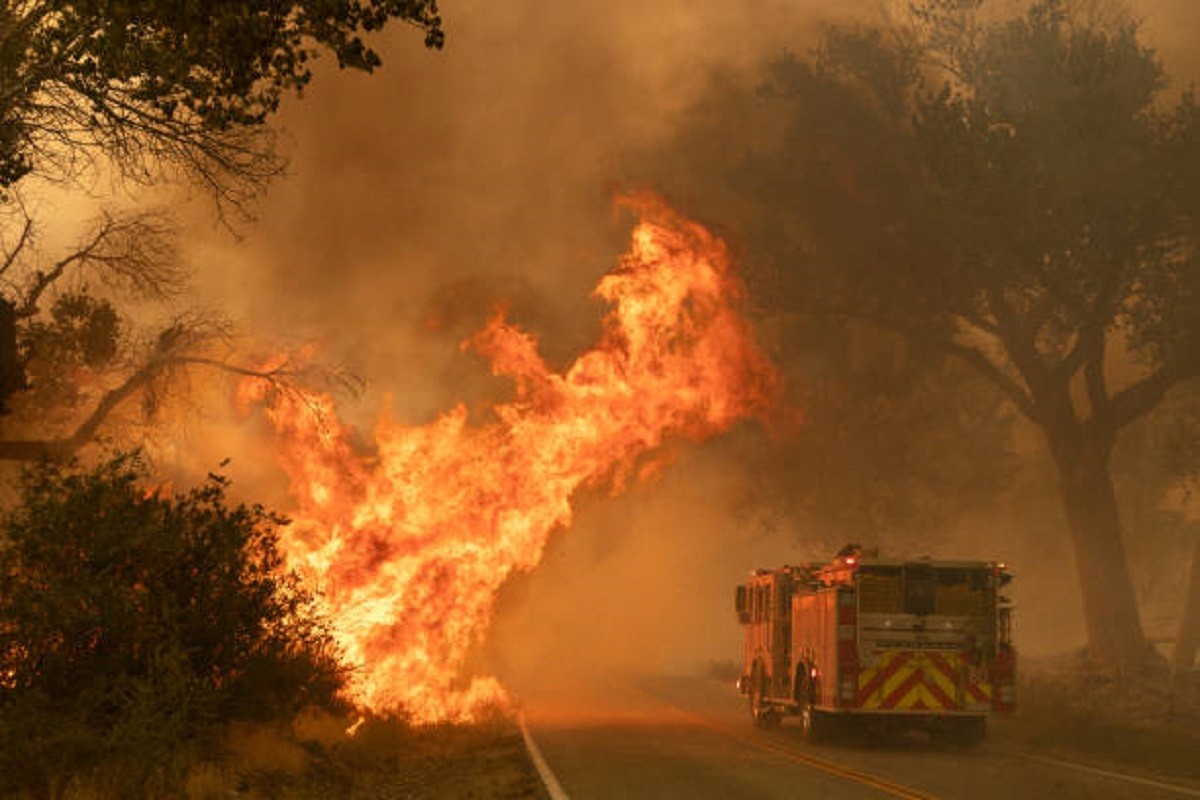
(874, 645)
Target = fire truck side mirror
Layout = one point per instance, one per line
(742, 605)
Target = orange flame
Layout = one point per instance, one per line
(411, 545)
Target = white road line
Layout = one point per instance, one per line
(1187, 791)
(553, 787)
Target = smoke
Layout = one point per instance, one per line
(447, 182)
(486, 170)
(483, 171)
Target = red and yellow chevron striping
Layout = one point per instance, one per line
(916, 680)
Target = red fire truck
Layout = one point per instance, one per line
(873, 644)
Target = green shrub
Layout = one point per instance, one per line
(135, 626)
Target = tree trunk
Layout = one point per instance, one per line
(1183, 657)
(1110, 608)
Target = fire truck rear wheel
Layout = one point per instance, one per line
(764, 714)
(971, 732)
(761, 711)
(962, 733)
(814, 724)
(755, 695)
(768, 718)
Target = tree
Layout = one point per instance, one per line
(69, 360)
(171, 83)
(893, 449)
(1156, 525)
(1156, 468)
(1012, 192)
(1183, 458)
(134, 625)
(145, 88)
(895, 444)
(1187, 639)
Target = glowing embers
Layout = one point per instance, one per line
(411, 545)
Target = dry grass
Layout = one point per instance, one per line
(1145, 720)
(315, 758)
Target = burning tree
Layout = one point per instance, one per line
(1013, 192)
(70, 359)
(411, 542)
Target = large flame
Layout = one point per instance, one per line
(410, 545)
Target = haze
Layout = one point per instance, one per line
(449, 181)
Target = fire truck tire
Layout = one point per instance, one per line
(768, 719)
(963, 733)
(971, 732)
(762, 712)
(815, 725)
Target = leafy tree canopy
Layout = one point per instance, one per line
(170, 80)
(1012, 192)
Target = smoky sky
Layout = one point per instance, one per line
(423, 194)
(420, 196)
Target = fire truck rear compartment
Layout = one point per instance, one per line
(879, 647)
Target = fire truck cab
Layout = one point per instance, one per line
(874, 644)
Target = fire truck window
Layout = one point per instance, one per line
(879, 590)
(960, 592)
(919, 589)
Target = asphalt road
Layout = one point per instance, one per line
(691, 738)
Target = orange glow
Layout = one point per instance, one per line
(410, 544)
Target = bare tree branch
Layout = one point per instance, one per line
(142, 378)
(1093, 371)
(10, 256)
(1017, 341)
(1094, 320)
(136, 250)
(978, 360)
(1141, 397)
(43, 280)
(990, 370)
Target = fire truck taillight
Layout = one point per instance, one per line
(1004, 698)
(849, 688)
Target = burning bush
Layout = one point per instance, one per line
(134, 625)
